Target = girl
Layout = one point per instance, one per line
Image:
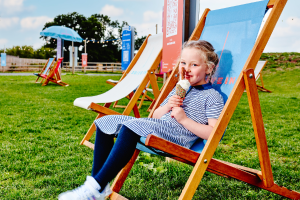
(178, 120)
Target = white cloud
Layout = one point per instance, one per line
(111, 11)
(145, 29)
(34, 22)
(8, 22)
(3, 42)
(11, 6)
(38, 44)
(150, 15)
(293, 21)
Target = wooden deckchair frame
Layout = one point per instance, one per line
(143, 98)
(259, 76)
(46, 64)
(133, 96)
(54, 75)
(204, 161)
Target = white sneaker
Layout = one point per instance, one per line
(84, 192)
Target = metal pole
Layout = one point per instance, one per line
(73, 61)
(84, 46)
(156, 28)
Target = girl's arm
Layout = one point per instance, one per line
(201, 130)
(174, 101)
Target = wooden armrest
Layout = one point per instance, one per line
(172, 148)
(103, 110)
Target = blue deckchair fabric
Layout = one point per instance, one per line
(47, 67)
(233, 32)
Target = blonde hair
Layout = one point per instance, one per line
(207, 52)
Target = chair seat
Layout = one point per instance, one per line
(197, 147)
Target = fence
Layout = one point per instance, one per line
(94, 67)
(14, 63)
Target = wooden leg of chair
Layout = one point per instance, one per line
(45, 82)
(90, 132)
(121, 177)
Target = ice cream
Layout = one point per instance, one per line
(183, 85)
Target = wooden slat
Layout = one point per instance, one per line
(101, 109)
(171, 148)
(153, 83)
(92, 128)
(88, 144)
(116, 196)
(258, 127)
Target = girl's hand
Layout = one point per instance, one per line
(179, 114)
(174, 101)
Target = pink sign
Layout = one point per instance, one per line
(172, 33)
(84, 59)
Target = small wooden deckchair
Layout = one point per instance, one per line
(257, 71)
(246, 80)
(45, 70)
(136, 77)
(54, 75)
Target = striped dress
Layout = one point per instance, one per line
(201, 103)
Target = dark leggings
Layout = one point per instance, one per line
(110, 158)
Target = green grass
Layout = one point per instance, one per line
(40, 132)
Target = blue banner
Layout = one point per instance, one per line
(3, 59)
(233, 32)
(127, 46)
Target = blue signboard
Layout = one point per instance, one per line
(127, 46)
(3, 59)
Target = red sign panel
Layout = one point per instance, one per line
(172, 32)
(84, 59)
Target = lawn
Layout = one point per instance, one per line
(40, 132)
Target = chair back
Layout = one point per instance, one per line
(132, 80)
(233, 32)
(46, 70)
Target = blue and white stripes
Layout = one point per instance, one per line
(199, 105)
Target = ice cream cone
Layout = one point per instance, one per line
(180, 91)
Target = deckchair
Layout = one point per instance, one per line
(136, 77)
(54, 75)
(144, 96)
(259, 67)
(239, 54)
(45, 70)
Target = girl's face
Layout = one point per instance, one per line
(195, 66)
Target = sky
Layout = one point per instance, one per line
(21, 21)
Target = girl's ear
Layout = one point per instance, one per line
(209, 69)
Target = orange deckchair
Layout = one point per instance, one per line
(204, 161)
(45, 70)
(54, 75)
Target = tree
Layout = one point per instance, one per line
(29, 52)
(138, 42)
(97, 28)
